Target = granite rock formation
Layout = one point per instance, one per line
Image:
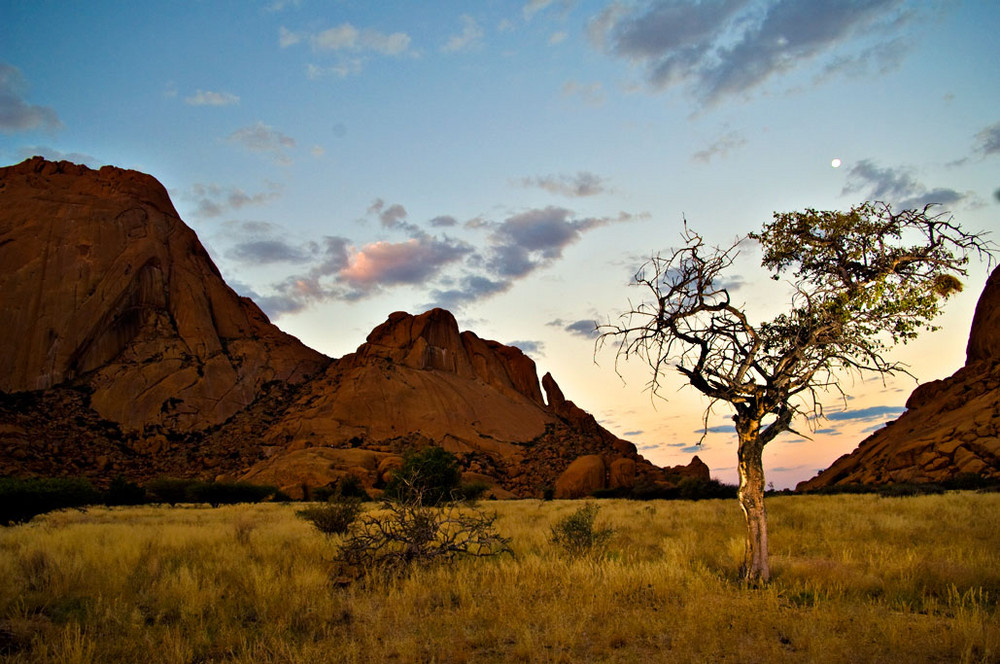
(102, 283)
(950, 428)
(125, 353)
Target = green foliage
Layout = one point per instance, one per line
(227, 493)
(576, 534)
(174, 490)
(335, 517)
(170, 490)
(23, 498)
(473, 491)
(123, 492)
(432, 474)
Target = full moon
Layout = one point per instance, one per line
(835, 163)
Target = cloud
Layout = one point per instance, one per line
(721, 48)
(212, 200)
(16, 114)
(722, 428)
(693, 449)
(897, 187)
(558, 38)
(392, 216)
(443, 221)
(529, 347)
(267, 251)
(472, 288)
(582, 184)
(866, 414)
(411, 262)
(721, 147)
(591, 93)
(264, 139)
(470, 37)
(209, 98)
(534, 238)
(988, 140)
(638, 432)
(586, 328)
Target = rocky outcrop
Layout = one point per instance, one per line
(104, 285)
(123, 352)
(951, 427)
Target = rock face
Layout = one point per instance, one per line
(103, 283)
(951, 427)
(123, 352)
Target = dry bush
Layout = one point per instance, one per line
(409, 532)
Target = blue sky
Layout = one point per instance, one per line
(517, 161)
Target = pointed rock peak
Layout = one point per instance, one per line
(553, 395)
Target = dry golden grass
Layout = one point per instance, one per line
(856, 579)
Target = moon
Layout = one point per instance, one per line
(835, 163)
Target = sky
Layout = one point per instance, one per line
(517, 162)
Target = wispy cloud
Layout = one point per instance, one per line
(470, 37)
(264, 139)
(866, 414)
(725, 48)
(592, 94)
(988, 140)
(16, 114)
(897, 186)
(586, 327)
(210, 98)
(579, 185)
(213, 200)
(721, 147)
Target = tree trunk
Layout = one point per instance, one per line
(751, 496)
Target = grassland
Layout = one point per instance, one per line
(856, 579)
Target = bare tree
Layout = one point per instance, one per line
(861, 281)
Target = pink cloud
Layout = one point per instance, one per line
(410, 262)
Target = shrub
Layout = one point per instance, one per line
(171, 490)
(473, 491)
(123, 492)
(227, 493)
(576, 534)
(432, 474)
(335, 517)
(22, 499)
(411, 532)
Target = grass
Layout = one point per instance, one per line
(857, 578)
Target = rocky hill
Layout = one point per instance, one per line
(950, 427)
(125, 353)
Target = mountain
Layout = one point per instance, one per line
(125, 353)
(950, 428)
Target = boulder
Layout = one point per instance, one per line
(582, 477)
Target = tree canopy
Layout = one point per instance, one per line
(861, 281)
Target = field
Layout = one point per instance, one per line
(856, 579)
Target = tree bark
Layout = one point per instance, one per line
(756, 568)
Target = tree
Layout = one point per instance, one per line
(860, 282)
(432, 472)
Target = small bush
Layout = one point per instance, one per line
(22, 499)
(227, 493)
(335, 517)
(170, 490)
(410, 532)
(473, 491)
(123, 492)
(576, 534)
(432, 474)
